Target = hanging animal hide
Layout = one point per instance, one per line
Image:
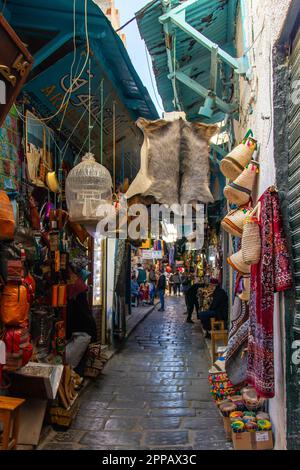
(174, 162)
(159, 174)
(195, 166)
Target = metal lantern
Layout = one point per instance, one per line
(88, 187)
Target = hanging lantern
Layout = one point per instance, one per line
(88, 188)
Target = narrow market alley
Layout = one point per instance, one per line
(153, 394)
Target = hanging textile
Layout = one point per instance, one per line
(236, 351)
(272, 274)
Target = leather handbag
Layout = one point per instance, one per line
(7, 219)
(9, 251)
(14, 306)
(18, 348)
(25, 236)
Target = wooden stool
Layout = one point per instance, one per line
(9, 416)
(218, 332)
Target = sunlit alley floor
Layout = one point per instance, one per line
(153, 394)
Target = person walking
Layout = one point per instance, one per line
(161, 287)
(185, 285)
(218, 308)
(170, 283)
(152, 278)
(176, 283)
(141, 274)
(135, 293)
(192, 300)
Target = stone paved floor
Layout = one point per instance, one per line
(153, 394)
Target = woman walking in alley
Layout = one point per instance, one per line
(161, 287)
(186, 284)
(176, 283)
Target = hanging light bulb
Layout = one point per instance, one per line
(88, 187)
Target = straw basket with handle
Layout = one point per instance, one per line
(234, 163)
(237, 263)
(239, 191)
(233, 222)
(251, 239)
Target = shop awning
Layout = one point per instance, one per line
(194, 39)
(48, 29)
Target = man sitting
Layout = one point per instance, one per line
(218, 308)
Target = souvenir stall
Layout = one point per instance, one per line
(47, 258)
(242, 379)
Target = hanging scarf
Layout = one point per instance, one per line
(272, 274)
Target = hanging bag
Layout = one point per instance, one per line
(18, 348)
(239, 191)
(14, 306)
(233, 222)
(7, 219)
(234, 163)
(251, 239)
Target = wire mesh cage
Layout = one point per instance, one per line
(88, 188)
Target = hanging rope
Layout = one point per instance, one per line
(90, 107)
(101, 119)
(114, 146)
(176, 101)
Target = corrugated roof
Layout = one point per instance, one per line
(48, 26)
(213, 18)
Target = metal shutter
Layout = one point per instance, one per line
(294, 168)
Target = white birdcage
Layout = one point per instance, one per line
(88, 187)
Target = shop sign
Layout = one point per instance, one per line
(15, 65)
(152, 254)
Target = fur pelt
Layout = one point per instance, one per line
(178, 160)
(163, 163)
(195, 168)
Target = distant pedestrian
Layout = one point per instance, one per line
(176, 283)
(152, 278)
(185, 284)
(192, 300)
(142, 275)
(161, 287)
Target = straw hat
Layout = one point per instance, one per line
(52, 182)
(239, 191)
(233, 222)
(245, 294)
(234, 163)
(238, 264)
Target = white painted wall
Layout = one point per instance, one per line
(263, 23)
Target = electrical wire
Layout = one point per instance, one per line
(151, 78)
(141, 13)
(73, 62)
(71, 88)
(258, 35)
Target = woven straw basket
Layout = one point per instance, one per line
(234, 163)
(233, 222)
(239, 191)
(238, 264)
(245, 295)
(251, 240)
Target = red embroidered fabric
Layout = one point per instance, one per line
(272, 274)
